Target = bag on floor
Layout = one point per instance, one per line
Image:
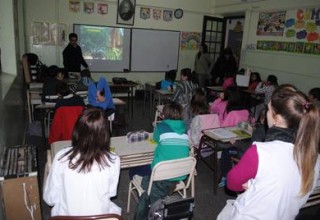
(173, 207)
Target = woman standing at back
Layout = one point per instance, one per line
(202, 65)
(279, 174)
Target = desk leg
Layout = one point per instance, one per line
(43, 128)
(215, 172)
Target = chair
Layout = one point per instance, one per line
(199, 123)
(158, 115)
(167, 170)
(63, 121)
(88, 217)
(111, 119)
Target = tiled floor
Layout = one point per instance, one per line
(12, 132)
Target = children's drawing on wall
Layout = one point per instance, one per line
(190, 40)
(88, 7)
(167, 15)
(304, 25)
(74, 6)
(271, 23)
(144, 13)
(102, 8)
(156, 14)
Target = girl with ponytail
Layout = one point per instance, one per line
(277, 176)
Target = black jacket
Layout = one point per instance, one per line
(72, 59)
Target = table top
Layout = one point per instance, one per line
(131, 154)
(164, 92)
(226, 134)
(215, 88)
(51, 105)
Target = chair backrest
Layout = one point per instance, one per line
(234, 117)
(26, 69)
(104, 216)
(172, 169)
(206, 121)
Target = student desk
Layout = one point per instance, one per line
(163, 94)
(149, 90)
(131, 154)
(211, 137)
(124, 88)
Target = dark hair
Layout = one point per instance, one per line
(199, 104)
(303, 117)
(73, 35)
(90, 141)
(257, 75)
(273, 80)
(235, 99)
(204, 50)
(171, 75)
(227, 51)
(315, 92)
(62, 88)
(53, 71)
(187, 72)
(172, 110)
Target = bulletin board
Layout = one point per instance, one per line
(294, 31)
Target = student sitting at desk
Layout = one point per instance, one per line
(255, 79)
(99, 95)
(65, 97)
(219, 105)
(68, 108)
(84, 177)
(172, 143)
(83, 83)
(55, 75)
(168, 82)
(277, 176)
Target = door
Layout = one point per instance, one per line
(213, 35)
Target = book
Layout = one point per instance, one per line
(222, 133)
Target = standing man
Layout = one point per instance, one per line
(72, 55)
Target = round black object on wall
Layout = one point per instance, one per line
(178, 13)
(126, 10)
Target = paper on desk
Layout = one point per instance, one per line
(223, 133)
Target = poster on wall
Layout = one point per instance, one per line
(190, 40)
(292, 47)
(304, 25)
(74, 5)
(271, 23)
(102, 8)
(126, 11)
(44, 33)
(144, 13)
(88, 7)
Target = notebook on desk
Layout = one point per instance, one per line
(226, 134)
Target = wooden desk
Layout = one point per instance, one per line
(149, 88)
(124, 88)
(131, 154)
(166, 94)
(211, 137)
(215, 88)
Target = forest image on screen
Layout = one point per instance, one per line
(101, 43)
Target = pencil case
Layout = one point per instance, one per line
(135, 136)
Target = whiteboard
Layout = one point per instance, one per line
(154, 50)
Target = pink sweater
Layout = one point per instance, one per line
(218, 107)
(245, 170)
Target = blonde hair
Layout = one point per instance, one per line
(303, 117)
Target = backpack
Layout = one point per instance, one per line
(171, 207)
(38, 70)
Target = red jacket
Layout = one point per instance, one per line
(63, 122)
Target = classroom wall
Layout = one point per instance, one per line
(7, 45)
(301, 70)
(58, 12)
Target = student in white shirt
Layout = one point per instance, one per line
(84, 177)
